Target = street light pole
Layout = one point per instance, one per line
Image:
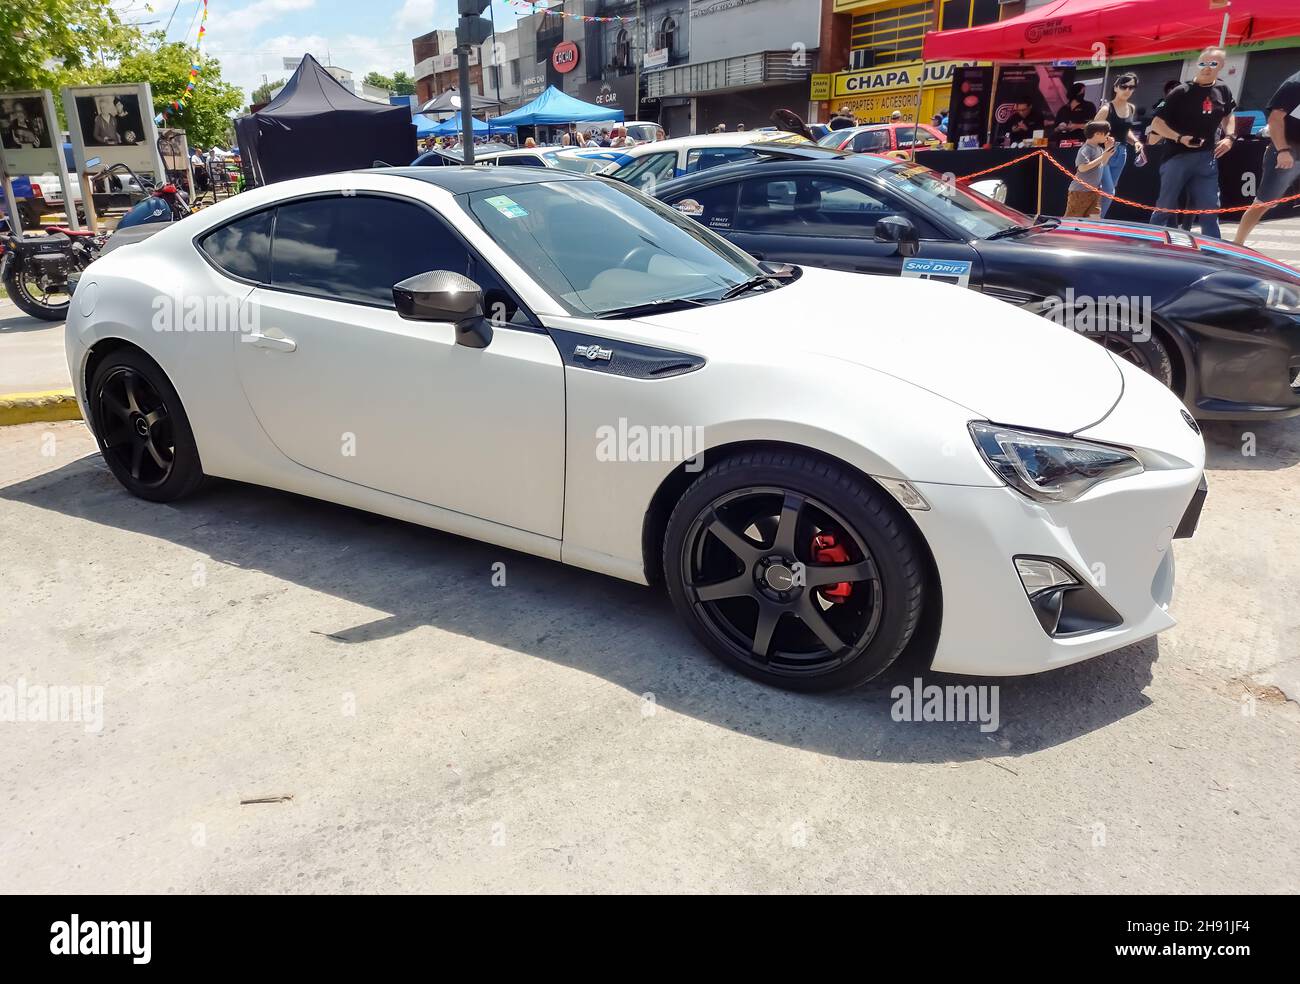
(471, 30)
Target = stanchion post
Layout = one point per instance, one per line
(1040, 185)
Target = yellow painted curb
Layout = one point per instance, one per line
(26, 408)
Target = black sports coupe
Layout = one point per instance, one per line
(1218, 323)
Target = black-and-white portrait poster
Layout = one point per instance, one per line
(114, 123)
(29, 134)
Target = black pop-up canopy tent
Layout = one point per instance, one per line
(316, 126)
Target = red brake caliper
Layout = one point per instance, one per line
(827, 551)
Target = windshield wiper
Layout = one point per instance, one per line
(753, 283)
(1022, 229)
(661, 306)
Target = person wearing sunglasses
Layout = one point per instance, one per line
(1190, 120)
(1119, 113)
(1279, 175)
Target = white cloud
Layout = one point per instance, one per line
(422, 16)
(245, 67)
(261, 12)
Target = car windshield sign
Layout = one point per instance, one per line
(977, 215)
(598, 246)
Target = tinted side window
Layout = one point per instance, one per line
(356, 248)
(242, 248)
(714, 207)
(809, 206)
(523, 160)
(699, 160)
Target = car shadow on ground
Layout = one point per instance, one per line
(621, 632)
(1251, 445)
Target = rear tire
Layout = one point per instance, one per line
(794, 570)
(26, 303)
(142, 430)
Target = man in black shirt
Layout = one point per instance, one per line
(1190, 119)
(1280, 173)
(1075, 116)
(1024, 122)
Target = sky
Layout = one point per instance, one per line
(252, 37)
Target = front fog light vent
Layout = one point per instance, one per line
(1041, 575)
(1064, 604)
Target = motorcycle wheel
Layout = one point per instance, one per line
(16, 288)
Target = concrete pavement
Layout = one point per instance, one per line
(31, 352)
(562, 732)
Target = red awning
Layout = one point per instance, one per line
(1071, 29)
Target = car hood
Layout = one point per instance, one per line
(997, 361)
(1121, 239)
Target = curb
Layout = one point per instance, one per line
(27, 408)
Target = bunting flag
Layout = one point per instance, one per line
(534, 6)
(178, 105)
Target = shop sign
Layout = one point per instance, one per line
(907, 75)
(821, 88)
(564, 57)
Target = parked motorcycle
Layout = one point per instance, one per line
(40, 272)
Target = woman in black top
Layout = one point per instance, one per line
(1120, 114)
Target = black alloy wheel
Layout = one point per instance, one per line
(142, 428)
(810, 582)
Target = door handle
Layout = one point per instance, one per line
(277, 343)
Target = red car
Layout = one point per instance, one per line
(884, 138)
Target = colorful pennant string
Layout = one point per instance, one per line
(178, 105)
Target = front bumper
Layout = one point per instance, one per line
(1118, 536)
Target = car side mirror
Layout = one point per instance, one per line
(441, 295)
(899, 231)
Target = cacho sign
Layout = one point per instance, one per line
(564, 57)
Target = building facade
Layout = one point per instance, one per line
(871, 55)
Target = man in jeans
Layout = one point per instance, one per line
(1280, 173)
(1190, 120)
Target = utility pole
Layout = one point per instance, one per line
(472, 30)
(636, 61)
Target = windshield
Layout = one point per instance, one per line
(598, 246)
(973, 212)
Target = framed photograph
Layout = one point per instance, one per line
(114, 123)
(31, 145)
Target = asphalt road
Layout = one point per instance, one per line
(563, 732)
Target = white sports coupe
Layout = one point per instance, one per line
(822, 467)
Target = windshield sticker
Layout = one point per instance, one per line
(956, 272)
(689, 206)
(720, 222)
(508, 207)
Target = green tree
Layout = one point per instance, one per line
(380, 81)
(48, 43)
(263, 92)
(166, 67)
(403, 84)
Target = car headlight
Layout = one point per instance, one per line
(1277, 296)
(1047, 467)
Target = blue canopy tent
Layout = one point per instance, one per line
(450, 127)
(554, 107)
(424, 127)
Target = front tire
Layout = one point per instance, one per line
(1151, 355)
(142, 429)
(794, 570)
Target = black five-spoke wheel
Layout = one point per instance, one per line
(137, 427)
(807, 578)
(142, 429)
